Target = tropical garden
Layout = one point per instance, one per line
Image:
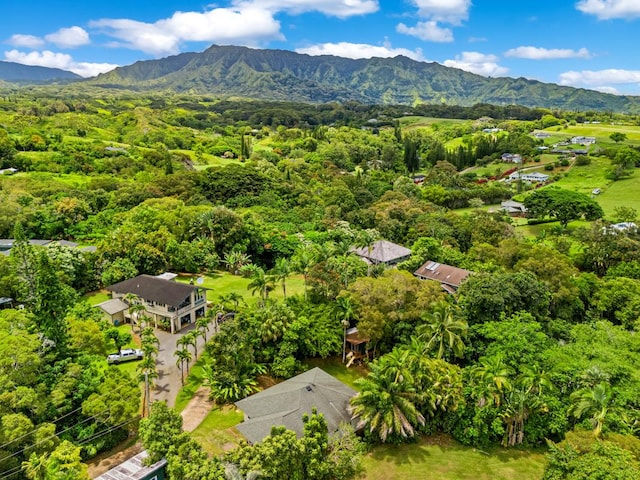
(537, 350)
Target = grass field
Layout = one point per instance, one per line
(216, 433)
(440, 457)
(222, 283)
(601, 131)
(335, 367)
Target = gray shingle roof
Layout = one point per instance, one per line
(113, 306)
(155, 289)
(383, 251)
(285, 404)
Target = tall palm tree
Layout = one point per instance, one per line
(182, 355)
(492, 376)
(303, 259)
(518, 405)
(259, 282)
(594, 402)
(443, 331)
(282, 270)
(136, 307)
(202, 325)
(386, 407)
(345, 312)
(534, 380)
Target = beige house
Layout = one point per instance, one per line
(165, 301)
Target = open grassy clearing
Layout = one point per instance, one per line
(335, 367)
(222, 283)
(443, 458)
(601, 131)
(217, 432)
(411, 122)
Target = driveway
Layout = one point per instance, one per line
(168, 383)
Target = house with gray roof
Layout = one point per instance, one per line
(284, 404)
(383, 251)
(165, 301)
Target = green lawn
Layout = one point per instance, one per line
(216, 433)
(192, 383)
(99, 296)
(335, 367)
(440, 457)
(600, 131)
(222, 283)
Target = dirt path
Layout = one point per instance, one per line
(196, 410)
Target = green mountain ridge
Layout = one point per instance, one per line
(18, 73)
(286, 75)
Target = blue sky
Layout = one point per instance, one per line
(583, 43)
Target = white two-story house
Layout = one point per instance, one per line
(165, 301)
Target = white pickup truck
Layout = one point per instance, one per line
(125, 355)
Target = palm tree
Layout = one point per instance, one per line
(282, 270)
(136, 306)
(534, 380)
(259, 282)
(345, 312)
(493, 377)
(366, 239)
(443, 331)
(594, 402)
(183, 355)
(386, 407)
(202, 325)
(191, 338)
(303, 260)
(519, 404)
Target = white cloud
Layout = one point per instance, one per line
(597, 78)
(448, 11)
(433, 12)
(26, 41)
(609, 9)
(63, 61)
(428, 31)
(605, 89)
(246, 26)
(69, 37)
(476, 62)
(246, 22)
(333, 8)
(538, 53)
(360, 50)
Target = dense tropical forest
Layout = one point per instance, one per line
(537, 349)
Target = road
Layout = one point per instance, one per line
(168, 383)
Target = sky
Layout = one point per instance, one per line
(581, 43)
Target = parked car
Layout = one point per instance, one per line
(125, 355)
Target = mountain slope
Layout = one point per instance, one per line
(16, 72)
(285, 75)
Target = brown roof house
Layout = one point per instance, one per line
(285, 404)
(165, 301)
(449, 277)
(383, 251)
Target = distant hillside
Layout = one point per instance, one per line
(285, 75)
(16, 72)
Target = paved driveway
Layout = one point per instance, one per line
(168, 383)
